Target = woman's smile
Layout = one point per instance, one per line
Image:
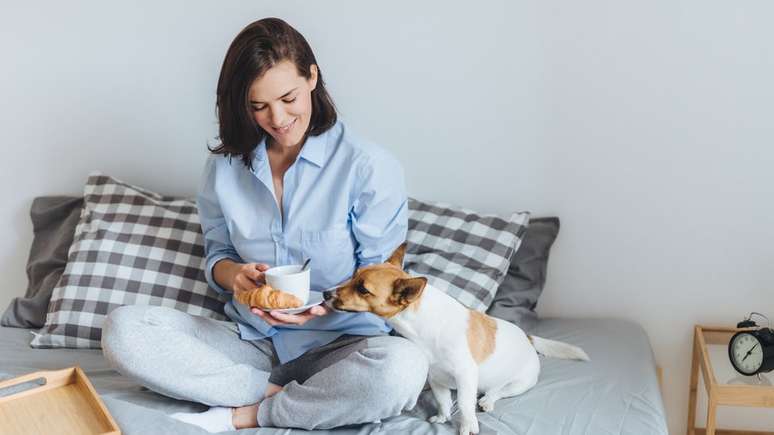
(286, 129)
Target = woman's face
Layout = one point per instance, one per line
(281, 101)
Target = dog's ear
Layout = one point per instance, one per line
(396, 259)
(407, 290)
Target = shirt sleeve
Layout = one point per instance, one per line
(380, 209)
(217, 241)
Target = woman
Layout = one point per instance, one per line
(301, 187)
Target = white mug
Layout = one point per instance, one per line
(290, 279)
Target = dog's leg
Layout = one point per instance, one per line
(443, 399)
(510, 389)
(467, 389)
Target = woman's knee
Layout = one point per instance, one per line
(124, 320)
(119, 320)
(123, 329)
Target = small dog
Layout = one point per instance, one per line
(467, 350)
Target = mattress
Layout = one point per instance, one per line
(617, 392)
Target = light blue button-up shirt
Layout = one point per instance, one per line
(344, 204)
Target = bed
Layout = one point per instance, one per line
(616, 393)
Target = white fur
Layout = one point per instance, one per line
(439, 327)
(557, 349)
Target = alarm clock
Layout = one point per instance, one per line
(752, 351)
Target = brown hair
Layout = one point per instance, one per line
(258, 47)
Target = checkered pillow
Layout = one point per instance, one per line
(131, 247)
(461, 252)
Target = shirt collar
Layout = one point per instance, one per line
(313, 150)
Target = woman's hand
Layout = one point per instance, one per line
(248, 276)
(275, 317)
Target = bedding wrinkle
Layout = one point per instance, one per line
(646, 407)
(624, 414)
(512, 428)
(588, 395)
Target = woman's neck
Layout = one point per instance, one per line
(284, 153)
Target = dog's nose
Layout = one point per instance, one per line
(327, 294)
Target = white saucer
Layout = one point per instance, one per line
(315, 298)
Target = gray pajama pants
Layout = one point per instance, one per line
(352, 380)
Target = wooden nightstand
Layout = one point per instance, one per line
(721, 393)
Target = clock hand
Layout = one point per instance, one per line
(750, 351)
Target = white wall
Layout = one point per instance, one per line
(646, 126)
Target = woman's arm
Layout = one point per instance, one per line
(380, 210)
(218, 249)
(235, 277)
(223, 272)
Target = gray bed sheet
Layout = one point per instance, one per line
(616, 393)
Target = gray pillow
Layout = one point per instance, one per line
(53, 223)
(517, 296)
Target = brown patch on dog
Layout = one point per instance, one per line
(481, 335)
(396, 258)
(383, 289)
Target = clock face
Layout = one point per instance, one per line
(746, 353)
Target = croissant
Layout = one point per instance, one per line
(267, 297)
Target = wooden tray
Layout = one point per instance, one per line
(66, 404)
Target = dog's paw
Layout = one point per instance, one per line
(440, 419)
(486, 404)
(469, 427)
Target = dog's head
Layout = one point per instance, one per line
(383, 289)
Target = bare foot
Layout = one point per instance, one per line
(245, 417)
(271, 390)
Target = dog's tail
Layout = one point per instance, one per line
(557, 349)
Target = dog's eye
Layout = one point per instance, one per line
(362, 290)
